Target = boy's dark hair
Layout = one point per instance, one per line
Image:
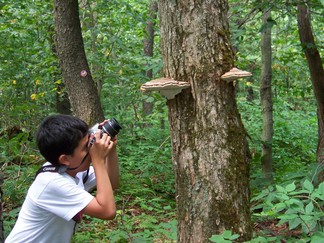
(59, 134)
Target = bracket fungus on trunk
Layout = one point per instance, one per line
(166, 86)
(234, 74)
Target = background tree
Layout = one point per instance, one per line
(286, 74)
(76, 74)
(148, 47)
(266, 94)
(209, 148)
(1, 218)
(315, 65)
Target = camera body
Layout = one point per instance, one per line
(111, 127)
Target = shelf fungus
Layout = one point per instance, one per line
(166, 86)
(234, 74)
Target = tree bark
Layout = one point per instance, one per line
(266, 97)
(209, 148)
(316, 73)
(77, 77)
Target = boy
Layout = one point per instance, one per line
(56, 200)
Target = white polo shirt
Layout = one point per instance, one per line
(51, 202)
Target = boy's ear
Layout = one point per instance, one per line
(64, 160)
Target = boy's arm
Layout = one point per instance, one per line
(103, 205)
(112, 166)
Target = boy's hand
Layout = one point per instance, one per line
(101, 147)
(102, 124)
(112, 139)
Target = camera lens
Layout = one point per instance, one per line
(112, 127)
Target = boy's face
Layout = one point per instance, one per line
(78, 155)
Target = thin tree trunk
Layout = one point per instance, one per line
(92, 16)
(266, 97)
(148, 46)
(1, 210)
(63, 105)
(209, 148)
(316, 72)
(77, 77)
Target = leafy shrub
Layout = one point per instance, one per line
(226, 237)
(299, 205)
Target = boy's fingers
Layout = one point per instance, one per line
(109, 140)
(103, 123)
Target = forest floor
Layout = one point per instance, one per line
(271, 228)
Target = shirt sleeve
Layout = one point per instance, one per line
(63, 197)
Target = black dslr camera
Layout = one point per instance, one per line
(111, 127)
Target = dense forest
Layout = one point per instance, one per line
(280, 105)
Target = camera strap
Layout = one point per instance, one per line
(52, 168)
(63, 168)
(59, 169)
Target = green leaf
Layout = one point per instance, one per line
(294, 201)
(306, 218)
(291, 187)
(309, 208)
(226, 237)
(317, 237)
(150, 100)
(234, 237)
(321, 186)
(280, 206)
(308, 185)
(309, 225)
(299, 192)
(280, 189)
(282, 196)
(288, 216)
(218, 239)
(227, 234)
(294, 223)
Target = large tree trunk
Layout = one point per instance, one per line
(316, 72)
(209, 148)
(77, 78)
(266, 96)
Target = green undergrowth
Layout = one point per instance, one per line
(146, 212)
